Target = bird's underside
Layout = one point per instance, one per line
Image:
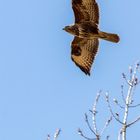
(85, 29)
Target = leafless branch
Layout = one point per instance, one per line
(117, 103)
(122, 93)
(133, 122)
(81, 134)
(57, 133)
(86, 119)
(119, 135)
(107, 138)
(126, 80)
(133, 106)
(130, 71)
(110, 109)
(48, 137)
(94, 129)
(94, 112)
(106, 125)
(132, 83)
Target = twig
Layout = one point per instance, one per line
(134, 88)
(57, 133)
(107, 138)
(95, 112)
(132, 106)
(119, 135)
(127, 81)
(48, 137)
(122, 93)
(106, 125)
(130, 71)
(86, 119)
(81, 134)
(117, 103)
(133, 122)
(110, 109)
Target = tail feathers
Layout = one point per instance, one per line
(109, 37)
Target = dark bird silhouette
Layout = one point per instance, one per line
(86, 33)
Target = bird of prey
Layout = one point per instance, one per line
(86, 33)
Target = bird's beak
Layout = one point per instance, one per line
(63, 29)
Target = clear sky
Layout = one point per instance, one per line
(40, 87)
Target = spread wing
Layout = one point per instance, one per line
(85, 10)
(83, 53)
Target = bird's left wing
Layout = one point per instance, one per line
(83, 53)
(85, 10)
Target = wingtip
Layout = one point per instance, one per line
(87, 72)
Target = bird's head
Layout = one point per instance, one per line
(72, 29)
(67, 28)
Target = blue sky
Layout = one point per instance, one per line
(41, 88)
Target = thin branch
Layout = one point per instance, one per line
(130, 71)
(132, 106)
(57, 133)
(134, 80)
(117, 103)
(86, 119)
(133, 122)
(107, 138)
(123, 98)
(94, 112)
(134, 88)
(48, 137)
(81, 134)
(119, 135)
(106, 125)
(110, 109)
(126, 80)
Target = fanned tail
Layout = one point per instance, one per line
(109, 36)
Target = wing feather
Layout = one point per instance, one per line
(85, 10)
(83, 53)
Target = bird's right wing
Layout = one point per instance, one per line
(85, 10)
(83, 53)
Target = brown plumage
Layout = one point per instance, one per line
(86, 32)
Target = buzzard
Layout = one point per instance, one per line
(86, 33)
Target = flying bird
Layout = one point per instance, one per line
(86, 33)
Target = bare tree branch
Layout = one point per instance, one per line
(94, 129)
(57, 133)
(107, 138)
(119, 135)
(95, 112)
(48, 137)
(132, 83)
(133, 122)
(86, 119)
(126, 80)
(106, 125)
(81, 134)
(110, 109)
(117, 103)
(133, 106)
(123, 98)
